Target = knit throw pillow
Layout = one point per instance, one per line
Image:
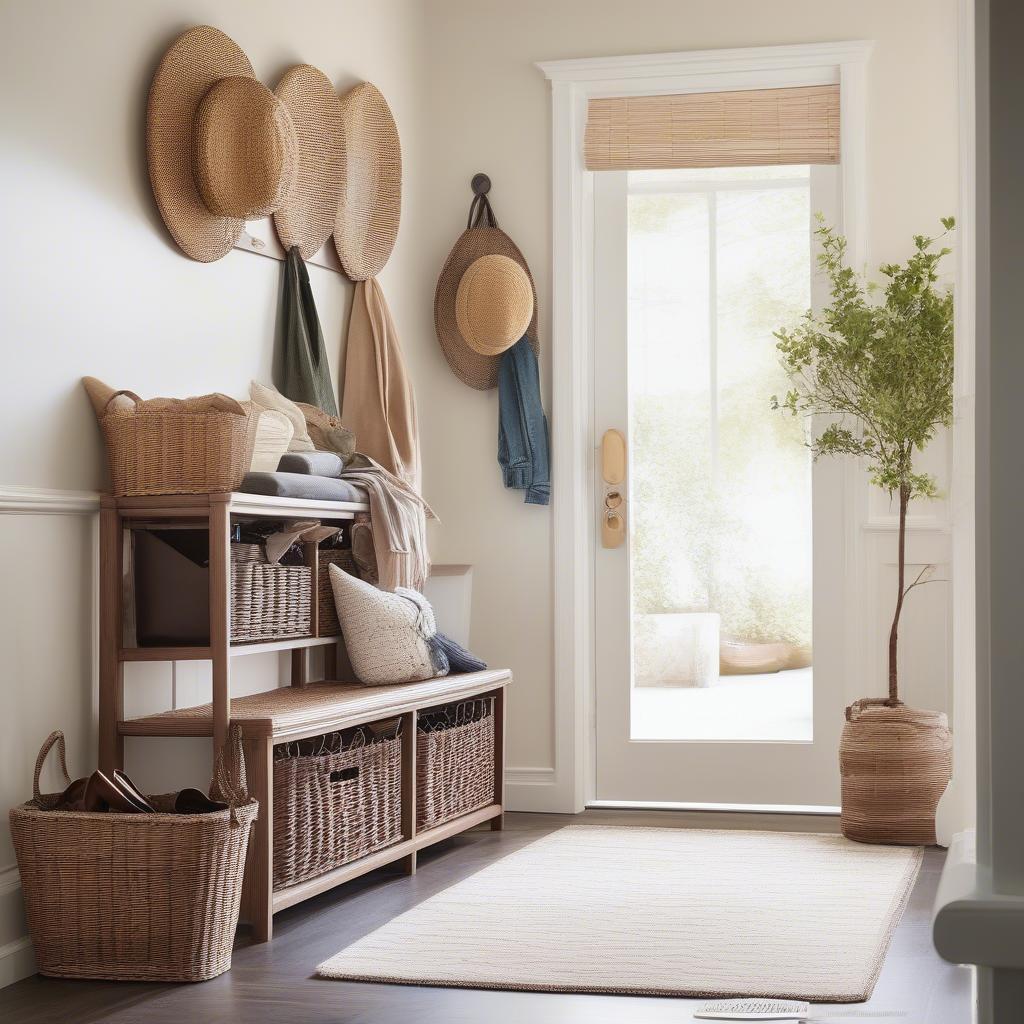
(388, 636)
(265, 397)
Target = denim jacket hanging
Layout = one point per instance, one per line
(523, 444)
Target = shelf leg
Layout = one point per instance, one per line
(331, 662)
(498, 823)
(220, 616)
(300, 666)
(408, 863)
(258, 887)
(111, 594)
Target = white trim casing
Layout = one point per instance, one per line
(573, 83)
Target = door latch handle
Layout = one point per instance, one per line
(613, 469)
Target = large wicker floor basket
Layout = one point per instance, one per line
(336, 798)
(454, 761)
(131, 897)
(895, 764)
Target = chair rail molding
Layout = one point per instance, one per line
(17, 500)
(574, 446)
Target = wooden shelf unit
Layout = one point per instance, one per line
(288, 713)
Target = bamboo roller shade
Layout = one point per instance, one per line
(754, 127)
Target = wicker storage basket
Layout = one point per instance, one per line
(454, 761)
(895, 764)
(133, 897)
(268, 602)
(174, 447)
(332, 808)
(329, 625)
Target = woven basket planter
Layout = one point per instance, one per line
(183, 448)
(270, 602)
(329, 625)
(131, 897)
(455, 764)
(330, 809)
(895, 764)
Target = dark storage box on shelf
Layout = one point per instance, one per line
(172, 592)
(454, 761)
(336, 798)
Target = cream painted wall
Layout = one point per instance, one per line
(489, 110)
(92, 284)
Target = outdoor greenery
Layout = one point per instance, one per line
(879, 375)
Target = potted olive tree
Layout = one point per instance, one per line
(875, 379)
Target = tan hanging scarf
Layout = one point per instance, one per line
(378, 404)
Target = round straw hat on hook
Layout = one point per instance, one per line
(221, 147)
(476, 363)
(371, 200)
(493, 304)
(306, 217)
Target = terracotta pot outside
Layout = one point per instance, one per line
(895, 764)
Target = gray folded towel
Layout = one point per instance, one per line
(302, 485)
(311, 463)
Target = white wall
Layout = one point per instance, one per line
(92, 284)
(490, 110)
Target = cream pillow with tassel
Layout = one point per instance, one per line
(386, 635)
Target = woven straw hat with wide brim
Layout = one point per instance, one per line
(493, 304)
(221, 147)
(474, 368)
(371, 199)
(306, 217)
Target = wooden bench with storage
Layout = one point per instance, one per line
(374, 785)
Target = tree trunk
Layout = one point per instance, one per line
(894, 698)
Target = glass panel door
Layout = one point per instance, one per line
(720, 484)
(719, 624)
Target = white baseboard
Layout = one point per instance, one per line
(534, 789)
(17, 961)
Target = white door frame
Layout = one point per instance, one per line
(573, 83)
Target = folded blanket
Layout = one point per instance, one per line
(311, 463)
(398, 521)
(301, 485)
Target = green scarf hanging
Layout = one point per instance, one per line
(306, 376)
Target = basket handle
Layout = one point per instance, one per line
(118, 394)
(55, 737)
(230, 784)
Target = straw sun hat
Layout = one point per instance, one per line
(371, 206)
(485, 299)
(306, 217)
(222, 148)
(493, 304)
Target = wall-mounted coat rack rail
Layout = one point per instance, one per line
(260, 238)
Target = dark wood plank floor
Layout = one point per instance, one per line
(275, 984)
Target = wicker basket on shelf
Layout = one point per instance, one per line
(172, 446)
(134, 897)
(329, 625)
(454, 761)
(270, 602)
(331, 808)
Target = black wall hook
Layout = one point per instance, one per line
(481, 184)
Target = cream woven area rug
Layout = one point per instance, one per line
(655, 911)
